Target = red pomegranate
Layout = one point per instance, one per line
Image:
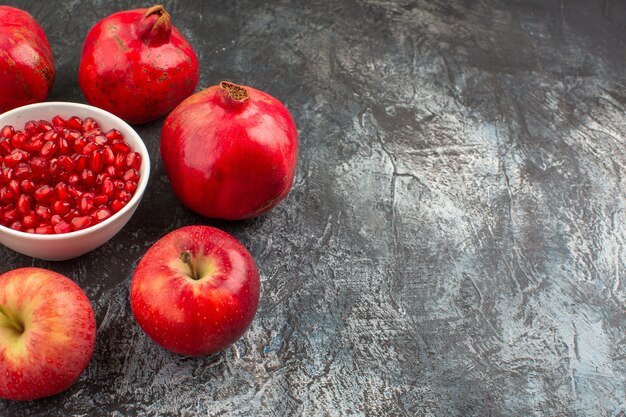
(230, 151)
(137, 65)
(26, 67)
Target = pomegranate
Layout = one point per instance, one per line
(26, 68)
(230, 151)
(137, 65)
(64, 175)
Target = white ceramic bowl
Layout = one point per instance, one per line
(70, 245)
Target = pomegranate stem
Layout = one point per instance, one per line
(235, 92)
(157, 29)
(16, 324)
(187, 258)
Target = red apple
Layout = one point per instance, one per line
(47, 333)
(195, 291)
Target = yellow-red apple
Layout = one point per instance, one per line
(47, 333)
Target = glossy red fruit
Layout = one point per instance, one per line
(47, 332)
(26, 68)
(137, 65)
(195, 291)
(230, 151)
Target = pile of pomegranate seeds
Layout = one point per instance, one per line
(64, 175)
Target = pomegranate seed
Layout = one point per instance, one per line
(102, 214)
(48, 150)
(119, 185)
(89, 124)
(7, 174)
(44, 193)
(27, 186)
(18, 140)
(85, 204)
(54, 168)
(89, 148)
(108, 187)
(51, 135)
(22, 171)
(130, 186)
(109, 155)
(43, 212)
(6, 148)
(6, 195)
(63, 176)
(61, 207)
(80, 162)
(44, 230)
(120, 161)
(131, 175)
(100, 200)
(23, 203)
(29, 220)
(74, 192)
(110, 171)
(74, 179)
(117, 205)
(69, 216)
(71, 135)
(133, 160)
(30, 127)
(81, 222)
(10, 214)
(44, 126)
(61, 191)
(58, 122)
(63, 146)
(14, 186)
(96, 163)
(100, 140)
(79, 144)
(88, 177)
(113, 134)
(7, 131)
(35, 144)
(67, 163)
(121, 147)
(74, 123)
(39, 166)
(101, 177)
(123, 195)
(16, 226)
(92, 133)
(55, 219)
(14, 158)
(62, 227)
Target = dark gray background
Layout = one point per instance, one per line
(454, 241)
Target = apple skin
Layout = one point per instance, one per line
(59, 333)
(195, 317)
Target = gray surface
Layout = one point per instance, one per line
(454, 242)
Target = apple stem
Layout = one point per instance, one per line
(187, 258)
(12, 321)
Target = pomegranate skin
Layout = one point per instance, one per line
(137, 65)
(228, 157)
(26, 68)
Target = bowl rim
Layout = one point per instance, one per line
(141, 186)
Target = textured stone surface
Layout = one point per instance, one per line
(454, 244)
